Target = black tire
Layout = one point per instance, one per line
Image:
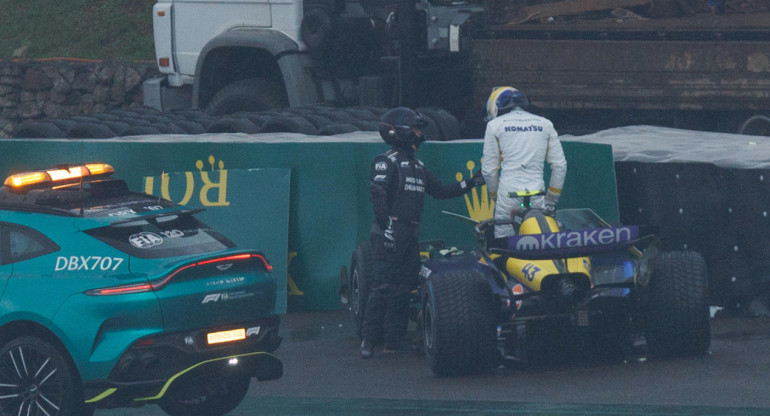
(252, 94)
(288, 124)
(190, 114)
(361, 277)
(134, 121)
(316, 28)
(365, 125)
(116, 126)
(37, 130)
(757, 125)
(139, 131)
(339, 116)
(46, 381)
(448, 126)
(458, 324)
(189, 127)
(431, 131)
(259, 119)
(63, 124)
(361, 113)
(216, 396)
(233, 125)
(144, 110)
(168, 128)
(90, 131)
(317, 120)
(677, 308)
(336, 128)
(85, 119)
(156, 118)
(106, 117)
(123, 114)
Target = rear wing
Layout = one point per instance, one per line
(576, 243)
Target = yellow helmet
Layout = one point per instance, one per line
(503, 100)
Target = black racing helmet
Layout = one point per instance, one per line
(402, 126)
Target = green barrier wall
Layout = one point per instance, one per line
(329, 209)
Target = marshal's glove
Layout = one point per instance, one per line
(476, 180)
(390, 240)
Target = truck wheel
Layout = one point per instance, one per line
(216, 397)
(251, 94)
(677, 308)
(361, 276)
(37, 378)
(459, 324)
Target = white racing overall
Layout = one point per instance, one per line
(518, 144)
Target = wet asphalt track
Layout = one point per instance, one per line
(323, 375)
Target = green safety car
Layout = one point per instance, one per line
(114, 298)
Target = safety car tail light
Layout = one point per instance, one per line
(159, 284)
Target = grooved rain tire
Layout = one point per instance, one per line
(42, 377)
(678, 322)
(459, 324)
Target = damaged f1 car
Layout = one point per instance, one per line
(565, 287)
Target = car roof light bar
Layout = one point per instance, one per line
(57, 175)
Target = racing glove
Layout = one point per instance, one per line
(549, 205)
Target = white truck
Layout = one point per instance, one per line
(254, 55)
(585, 65)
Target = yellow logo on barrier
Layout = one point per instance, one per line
(293, 288)
(220, 188)
(481, 207)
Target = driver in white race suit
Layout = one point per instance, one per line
(517, 144)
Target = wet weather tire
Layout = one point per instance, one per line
(458, 324)
(361, 277)
(678, 322)
(252, 94)
(216, 397)
(36, 378)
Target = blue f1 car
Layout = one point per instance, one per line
(572, 286)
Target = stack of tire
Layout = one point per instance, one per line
(315, 120)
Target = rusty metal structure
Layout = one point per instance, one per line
(592, 69)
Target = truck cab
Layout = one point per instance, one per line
(254, 55)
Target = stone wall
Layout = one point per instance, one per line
(65, 88)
